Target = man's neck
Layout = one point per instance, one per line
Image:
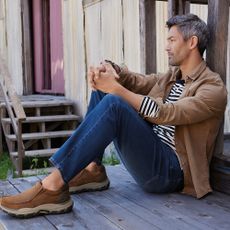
(189, 65)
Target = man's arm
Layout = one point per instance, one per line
(209, 101)
(106, 80)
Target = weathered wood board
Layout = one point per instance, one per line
(125, 206)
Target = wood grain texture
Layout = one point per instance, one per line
(74, 54)
(176, 7)
(14, 43)
(227, 112)
(126, 206)
(218, 18)
(131, 34)
(148, 35)
(27, 54)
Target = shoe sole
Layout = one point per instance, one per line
(90, 187)
(40, 210)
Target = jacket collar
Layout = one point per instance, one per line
(197, 71)
(176, 73)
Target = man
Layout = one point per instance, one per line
(163, 126)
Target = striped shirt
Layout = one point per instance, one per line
(150, 108)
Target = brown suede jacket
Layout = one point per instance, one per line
(196, 115)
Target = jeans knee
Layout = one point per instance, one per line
(112, 99)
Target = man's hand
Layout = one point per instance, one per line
(104, 78)
(106, 81)
(93, 73)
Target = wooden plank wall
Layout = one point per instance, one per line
(11, 40)
(27, 50)
(101, 29)
(131, 34)
(3, 49)
(109, 29)
(93, 32)
(103, 32)
(227, 112)
(74, 53)
(14, 42)
(147, 9)
(217, 49)
(162, 32)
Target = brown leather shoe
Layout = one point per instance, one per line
(37, 201)
(90, 180)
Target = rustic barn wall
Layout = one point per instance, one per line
(131, 34)
(227, 112)
(74, 53)
(3, 50)
(162, 31)
(103, 32)
(112, 32)
(105, 29)
(94, 31)
(14, 42)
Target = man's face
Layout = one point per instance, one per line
(177, 49)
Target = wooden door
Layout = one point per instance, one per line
(48, 47)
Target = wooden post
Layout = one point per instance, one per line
(218, 18)
(1, 133)
(148, 35)
(27, 64)
(178, 7)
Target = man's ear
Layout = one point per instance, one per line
(194, 42)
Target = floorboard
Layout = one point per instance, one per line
(125, 206)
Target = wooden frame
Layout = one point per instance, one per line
(148, 35)
(54, 82)
(27, 52)
(218, 19)
(178, 7)
(205, 2)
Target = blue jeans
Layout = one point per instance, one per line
(153, 164)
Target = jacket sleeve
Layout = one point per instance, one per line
(209, 101)
(137, 83)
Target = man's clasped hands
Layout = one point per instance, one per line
(104, 77)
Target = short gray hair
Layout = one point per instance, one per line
(191, 25)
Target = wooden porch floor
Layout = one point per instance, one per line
(125, 206)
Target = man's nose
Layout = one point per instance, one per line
(167, 48)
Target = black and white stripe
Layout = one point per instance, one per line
(150, 108)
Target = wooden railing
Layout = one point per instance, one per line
(14, 108)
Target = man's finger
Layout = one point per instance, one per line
(90, 75)
(109, 68)
(97, 71)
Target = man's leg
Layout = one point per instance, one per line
(95, 98)
(150, 161)
(152, 164)
(93, 177)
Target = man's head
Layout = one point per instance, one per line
(191, 25)
(191, 29)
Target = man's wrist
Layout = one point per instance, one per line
(115, 66)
